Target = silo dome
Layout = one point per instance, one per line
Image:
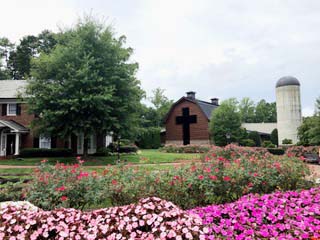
(287, 81)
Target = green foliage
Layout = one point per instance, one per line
(225, 175)
(153, 116)
(309, 131)
(268, 144)
(255, 137)
(226, 120)
(274, 137)
(266, 112)
(149, 138)
(276, 151)
(247, 143)
(247, 110)
(85, 84)
(64, 186)
(257, 113)
(42, 152)
(12, 191)
(287, 141)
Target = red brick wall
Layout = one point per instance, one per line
(24, 119)
(198, 131)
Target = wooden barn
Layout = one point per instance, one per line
(187, 122)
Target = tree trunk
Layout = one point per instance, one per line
(85, 145)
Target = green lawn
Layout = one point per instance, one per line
(143, 157)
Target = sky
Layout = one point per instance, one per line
(223, 49)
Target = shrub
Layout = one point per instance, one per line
(149, 138)
(150, 218)
(298, 151)
(276, 151)
(64, 186)
(255, 137)
(247, 143)
(105, 151)
(128, 149)
(171, 148)
(268, 144)
(12, 191)
(288, 215)
(41, 152)
(274, 137)
(287, 141)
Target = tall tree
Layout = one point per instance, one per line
(161, 105)
(5, 48)
(85, 84)
(226, 122)
(247, 110)
(265, 112)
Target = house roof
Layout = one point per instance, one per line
(205, 107)
(11, 88)
(15, 127)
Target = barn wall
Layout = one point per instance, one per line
(199, 132)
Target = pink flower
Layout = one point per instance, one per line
(62, 188)
(226, 178)
(64, 198)
(213, 177)
(200, 177)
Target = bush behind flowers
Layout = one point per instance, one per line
(298, 151)
(216, 180)
(172, 148)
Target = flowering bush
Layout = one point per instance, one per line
(232, 152)
(150, 218)
(288, 215)
(298, 151)
(172, 148)
(64, 186)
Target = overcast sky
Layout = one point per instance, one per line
(225, 48)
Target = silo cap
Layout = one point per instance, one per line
(287, 81)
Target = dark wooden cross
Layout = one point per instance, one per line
(185, 120)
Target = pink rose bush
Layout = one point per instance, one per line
(298, 151)
(281, 215)
(150, 218)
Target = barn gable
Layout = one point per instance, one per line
(187, 122)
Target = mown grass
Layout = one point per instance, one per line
(143, 157)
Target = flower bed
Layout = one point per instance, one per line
(216, 180)
(298, 151)
(288, 215)
(172, 148)
(149, 219)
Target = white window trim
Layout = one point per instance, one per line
(44, 140)
(8, 107)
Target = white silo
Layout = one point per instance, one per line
(288, 108)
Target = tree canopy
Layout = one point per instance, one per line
(226, 120)
(86, 83)
(309, 131)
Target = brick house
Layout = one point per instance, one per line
(15, 132)
(187, 122)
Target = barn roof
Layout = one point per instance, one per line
(11, 88)
(205, 107)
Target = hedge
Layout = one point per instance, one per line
(276, 151)
(42, 152)
(149, 138)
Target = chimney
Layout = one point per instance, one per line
(215, 101)
(191, 95)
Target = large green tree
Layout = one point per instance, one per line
(265, 112)
(309, 131)
(226, 121)
(5, 48)
(247, 110)
(86, 83)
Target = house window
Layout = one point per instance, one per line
(44, 142)
(12, 109)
